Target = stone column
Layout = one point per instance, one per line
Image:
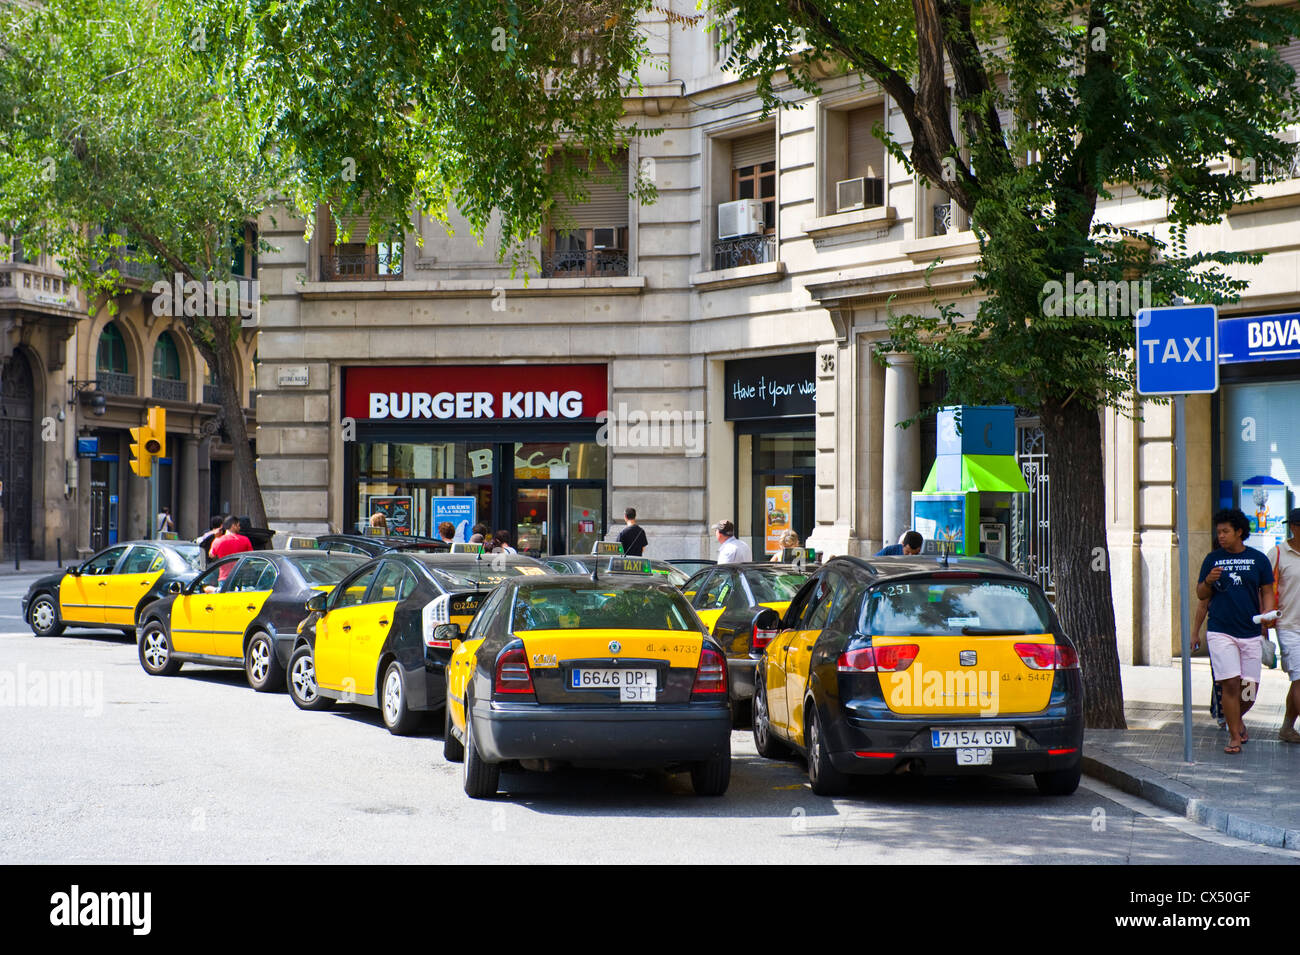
(187, 509)
(901, 459)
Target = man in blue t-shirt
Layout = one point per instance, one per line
(1238, 582)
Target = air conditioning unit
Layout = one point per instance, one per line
(603, 238)
(859, 193)
(742, 217)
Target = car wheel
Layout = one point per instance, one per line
(711, 777)
(453, 750)
(302, 682)
(400, 719)
(1059, 782)
(156, 651)
(43, 616)
(261, 665)
(826, 779)
(765, 741)
(482, 780)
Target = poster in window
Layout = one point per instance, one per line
(396, 509)
(778, 501)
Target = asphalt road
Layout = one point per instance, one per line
(103, 763)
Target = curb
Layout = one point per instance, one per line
(1137, 780)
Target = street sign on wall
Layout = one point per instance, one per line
(1178, 350)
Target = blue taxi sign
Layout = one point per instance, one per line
(1178, 350)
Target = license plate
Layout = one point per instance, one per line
(633, 685)
(963, 737)
(980, 756)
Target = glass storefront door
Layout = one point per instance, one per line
(532, 521)
(586, 518)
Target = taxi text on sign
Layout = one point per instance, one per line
(1178, 350)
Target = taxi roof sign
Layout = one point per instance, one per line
(608, 547)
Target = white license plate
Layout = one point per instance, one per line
(963, 737)
(980, 756)
(633, 685)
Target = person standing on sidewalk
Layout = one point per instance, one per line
(633, 536)
(731, 549)
(230, 542)
(1237, 580)
(1285, 559)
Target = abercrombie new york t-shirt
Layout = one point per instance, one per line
(1236, 593)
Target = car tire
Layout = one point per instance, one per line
(453, 750)
(765, 741)
(155, 651)
(826, 780)
(261, 665)
(400, 719)
(482, 780)
(43, 616)
(713, 776)
(301, 682)
(1059, 782)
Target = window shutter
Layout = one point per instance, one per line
(753, 150)
(866, 153)
(1290, 55)
(606, 205)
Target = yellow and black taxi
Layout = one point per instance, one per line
(605, 564)
(615, 671)
(243, 611)
(947, 666)
(742, 605)
(374, 640)
(370, 545)
(109, 589)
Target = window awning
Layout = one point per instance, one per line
(982, 472)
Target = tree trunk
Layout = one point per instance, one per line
(1080, 561)
(224, 358)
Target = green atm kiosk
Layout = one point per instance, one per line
(965, 505)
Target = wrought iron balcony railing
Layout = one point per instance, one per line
(578, 264)
(942, 218)
(211, 395)
(115, 383)
(170, 390)
(360, 266)
(745, 250)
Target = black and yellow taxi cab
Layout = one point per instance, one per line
(742, 605)
(941, 666)
(616, 671)
(108, 590)
(243, 611)
(369, 545)
(605, 564)
(373, 640)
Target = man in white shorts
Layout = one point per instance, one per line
(1286, 579)
(1238, 582)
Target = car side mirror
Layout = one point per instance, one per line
(175, 587)
(446, 632)
(316, 603)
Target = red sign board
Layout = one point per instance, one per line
(476, 393)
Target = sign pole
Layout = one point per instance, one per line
(1184, 569)
(153, 498)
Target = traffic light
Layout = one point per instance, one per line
(149, 441)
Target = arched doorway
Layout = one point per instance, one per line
(17, 401)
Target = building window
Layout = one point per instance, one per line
(589, 236)
(356, 259)
(741, 238)
(167, 381)
(244, 247)
(111, 356)
(854, 159)
(758, 181)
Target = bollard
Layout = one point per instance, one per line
(58, 551)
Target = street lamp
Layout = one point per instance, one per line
(98, 403)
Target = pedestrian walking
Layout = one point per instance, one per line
(205, 541)
(1238, 582)
(164, 522)
(501, 543)
(909, 544)
(1285, 558)
(230, 542)
(633, 536)
(731, 549)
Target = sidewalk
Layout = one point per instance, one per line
(1253, 796)
(34, 568)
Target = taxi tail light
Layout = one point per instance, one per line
(1048, 656)
(711, 674)
(892, 659)
(511, 675)
(762, 637)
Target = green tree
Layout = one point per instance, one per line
(120, 151)
(1101, 95)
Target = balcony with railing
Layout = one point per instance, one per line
(357, 263)
(743, 250)
(574, 263)
(116, 383)
(169, 390)
(211, 395)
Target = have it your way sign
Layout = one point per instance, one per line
(1178, 350)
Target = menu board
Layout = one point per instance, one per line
(776, 515)
(396, 510)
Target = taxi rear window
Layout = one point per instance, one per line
(327, 568)
(596, 607)
(191, 554)
(948, 607)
